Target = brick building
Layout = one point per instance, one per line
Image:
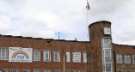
(27, 54)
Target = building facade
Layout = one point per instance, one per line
(27, 54)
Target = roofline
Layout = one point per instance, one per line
(96, 22)
(23, 37)
(123, 45)
(39, 38)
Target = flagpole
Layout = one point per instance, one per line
(87, 11)
(87, 18)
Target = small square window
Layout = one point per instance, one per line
(107, 30)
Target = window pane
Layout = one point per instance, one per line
(67, 56)
(108, 68)
(47, 56)
(119, 59)
(107, 59)
(4, 53)
(106, 43)
(107, 55)
(76, 56)
(107, 30)
(127, 59)
(36, 55)
(56, 56)
(84, 57)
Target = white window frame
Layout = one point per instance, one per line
(4, 53)
(108, 67)
(47, 58)
(84, 57)
(36, 55)
(107, 54)
(107, 30)
(106, 42)
(56, 56)
(107, 59)
(119, 58)
(127, 59)
(68, 59)
(76, 57)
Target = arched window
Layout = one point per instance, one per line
(20, 57)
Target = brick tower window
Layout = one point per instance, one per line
(107, 30)
(106, 42)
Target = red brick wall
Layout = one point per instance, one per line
(61, 45)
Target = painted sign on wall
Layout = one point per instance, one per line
(18, 54)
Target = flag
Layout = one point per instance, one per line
(88, 5)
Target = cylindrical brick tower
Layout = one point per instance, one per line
(100, 41)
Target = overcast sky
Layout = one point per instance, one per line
(45, 18)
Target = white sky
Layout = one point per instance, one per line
(44, 18)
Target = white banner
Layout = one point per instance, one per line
(18, 54)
